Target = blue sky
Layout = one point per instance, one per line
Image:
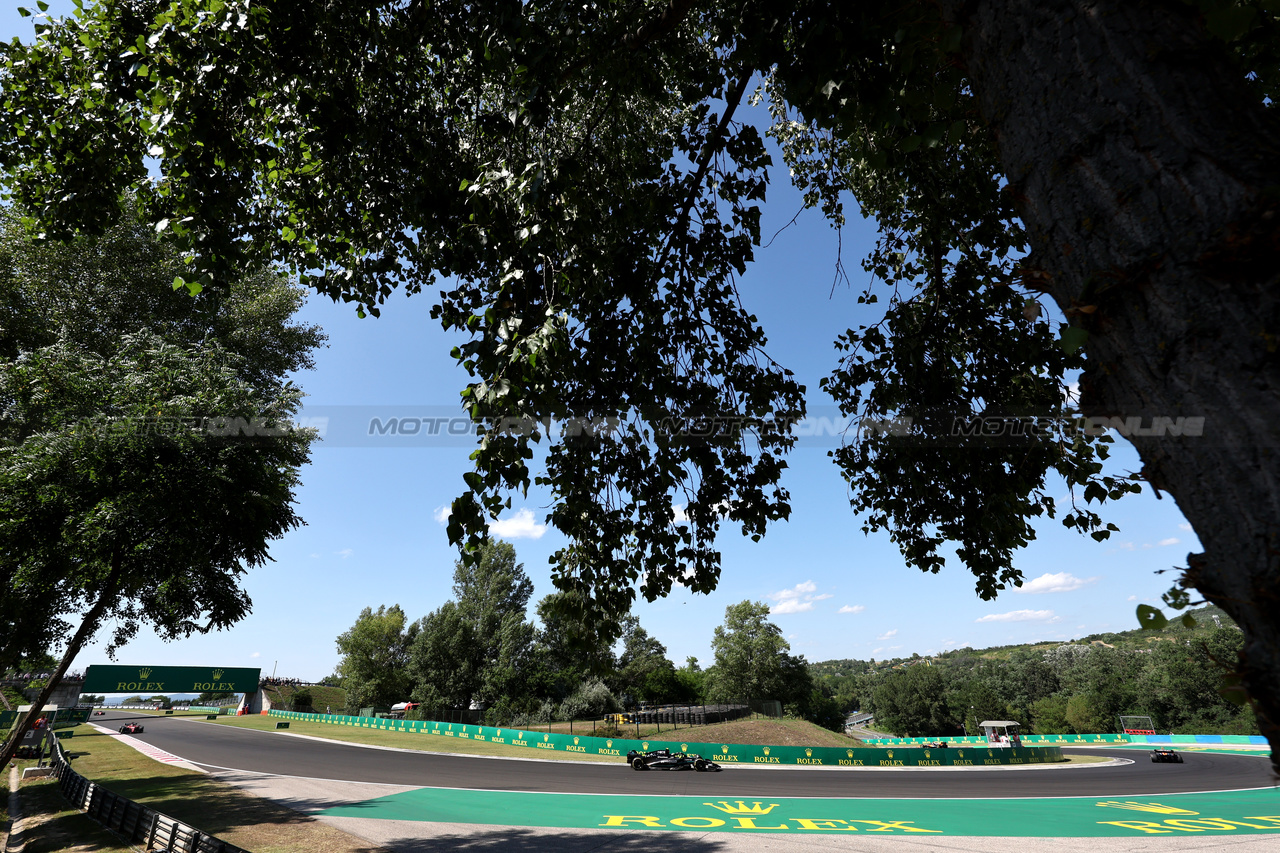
(373, 536)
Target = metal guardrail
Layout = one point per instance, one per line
(135, 823)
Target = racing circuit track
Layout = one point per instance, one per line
(267, 752)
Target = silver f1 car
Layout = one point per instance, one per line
(1165, 756)
(665, 759)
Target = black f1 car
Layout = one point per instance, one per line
(1165, 756)
(131, 729)
(665, 759)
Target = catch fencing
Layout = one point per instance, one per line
(137, 824)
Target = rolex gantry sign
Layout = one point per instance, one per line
(170, 679)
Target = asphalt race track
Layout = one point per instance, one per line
(267, 752)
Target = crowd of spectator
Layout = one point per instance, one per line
(274, 681)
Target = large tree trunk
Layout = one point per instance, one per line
(1147, 175)
(88, 626)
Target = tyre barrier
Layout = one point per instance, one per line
(722, 753)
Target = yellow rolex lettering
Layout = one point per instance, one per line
(1143, 825)
(824, 823)
(894, 763)
(542, 745)
(687, 822)
(575, 749)
(750, 823)
(808, 761)
(1199, 824)
(765, 759)
(891, 825)
(631, 820)
(723, 758)
(960, 763)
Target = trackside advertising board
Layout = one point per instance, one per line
(148, 680)
(725, 753)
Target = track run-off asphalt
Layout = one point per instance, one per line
(413, 800)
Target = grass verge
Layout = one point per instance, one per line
(213, 807)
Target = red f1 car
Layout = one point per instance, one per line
(1165, 756)
(131, 729)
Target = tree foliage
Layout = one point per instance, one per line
(577, 182)
(375, 657)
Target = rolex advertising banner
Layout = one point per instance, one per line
(146, 680)
(724, 753)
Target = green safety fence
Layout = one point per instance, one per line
(1033, 740)
(206, 709)
(726, 753)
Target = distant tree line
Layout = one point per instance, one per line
(480, 648)
(1080, 688)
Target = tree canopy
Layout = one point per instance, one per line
(577, 181)
(146, 459)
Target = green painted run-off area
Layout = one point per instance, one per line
(1178, 815)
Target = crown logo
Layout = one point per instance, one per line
(546, 737)
(1156, 808)
(766, 750)
(926, 754)
(644, 747)
(575, 741)
(960, 753)
(684, 747)
(217, 675)
(724, 747)
(144, 673)
(739, 807)
(519, 735)
(849, 752)
(609, 744)
(808, 753)
(890, 753)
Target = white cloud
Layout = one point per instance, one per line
(1132, 598)
(256, 655)
(791, 605)
(1184, 526)
(682, 517)
(805, 589)
(797, 599)
(1055, 582)
(857, 608)
(888, 635)
(345, 552)
(1172, 540)
(1018, 616)
(522, 525)
(441, 514)
(315, 556)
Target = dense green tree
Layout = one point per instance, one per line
(911, 702)
(571, 646)
(577, 170)
(374, 666)
(644, 672)
(477, 647)
(753, 660)
(1049, 716)
(145, 451)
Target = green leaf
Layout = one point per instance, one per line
(1072, 338)
(1150, 618)
(1230, 22)
(1188, 620)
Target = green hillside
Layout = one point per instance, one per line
(1174, 675)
